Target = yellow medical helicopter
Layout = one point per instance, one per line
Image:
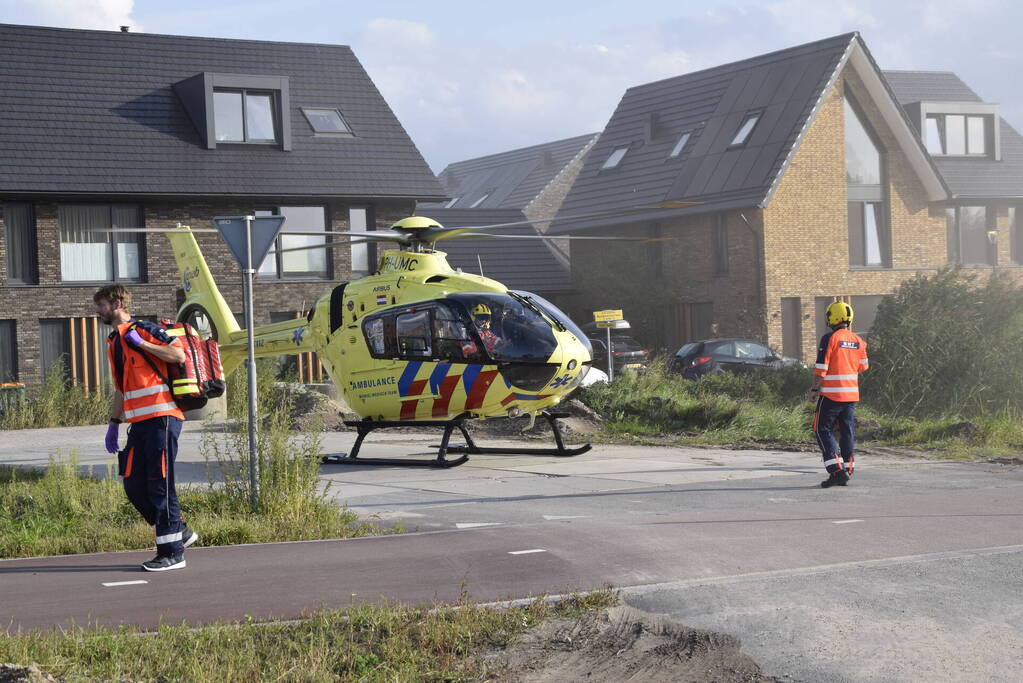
(417, 342)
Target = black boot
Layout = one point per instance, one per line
(837, 478)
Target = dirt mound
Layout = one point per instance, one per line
(13, 673)
(581, 420)
(625, 644)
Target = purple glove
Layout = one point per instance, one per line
(133, 338)
(111, 440)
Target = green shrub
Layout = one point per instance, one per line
(944, 345)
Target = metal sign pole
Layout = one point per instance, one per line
(610, 358)
(248, 273)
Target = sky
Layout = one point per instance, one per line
(467, 79)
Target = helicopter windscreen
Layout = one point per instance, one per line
(558, 316)
(509, 329)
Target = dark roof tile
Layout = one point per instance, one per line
(97, 113)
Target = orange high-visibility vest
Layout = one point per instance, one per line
(844, 358)
(143, 390)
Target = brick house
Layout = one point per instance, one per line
(106, 130)
(817, 176)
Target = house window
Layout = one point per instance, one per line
(304, 262)
(866, 244)
(956, 135)
(615, 158)
(244, 116)
(358, 221)
(720, 245)
(481, 199)
(8, 351)
(1016, 234)
(868, 208)
(679, 146)
(77, 348)
(972, 238)
(749, 122)
(89, 252)
(20, 230)
(327, 121)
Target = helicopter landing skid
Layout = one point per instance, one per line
(364, 427)
(470, 447)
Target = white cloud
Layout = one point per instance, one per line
(107, 15)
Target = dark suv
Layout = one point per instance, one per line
(627, 353)
(699, 358)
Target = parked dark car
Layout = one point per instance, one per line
(628, 354)
(696, 359)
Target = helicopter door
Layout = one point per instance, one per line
(413, 332)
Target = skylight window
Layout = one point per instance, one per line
(615, 158)
(749, 122)
(480, 200)
(680, 145)
(326, 121)
(454, 200)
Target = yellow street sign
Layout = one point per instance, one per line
(607, 323)
(603, 316)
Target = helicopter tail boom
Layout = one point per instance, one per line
(202, 296)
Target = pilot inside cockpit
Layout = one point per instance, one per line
(482, 318)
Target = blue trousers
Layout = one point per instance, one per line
(148, 473)
(829, 416)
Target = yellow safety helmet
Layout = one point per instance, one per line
(481, 314)
(839, 312)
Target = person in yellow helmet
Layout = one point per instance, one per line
(481, 317)
(841, 357)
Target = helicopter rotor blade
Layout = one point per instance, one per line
(490, 235)
(366, 238)
(435, 235)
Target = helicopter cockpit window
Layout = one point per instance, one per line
(506, 328)
(413, 332)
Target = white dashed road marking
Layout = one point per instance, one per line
(848, 521)
(124, 583)
(526, 552)
(473, 525)
(552, 517)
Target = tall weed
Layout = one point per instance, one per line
(58, 403)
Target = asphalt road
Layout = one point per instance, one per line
(911, 573)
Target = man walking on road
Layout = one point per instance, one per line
(139, 353)
(841, 356)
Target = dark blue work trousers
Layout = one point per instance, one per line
(828, 417)
(148, 472)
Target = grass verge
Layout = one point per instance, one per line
(389, 642)
(727, 408)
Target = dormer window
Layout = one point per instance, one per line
(244, 116)
(680, 145)
(238, 108)
(749, 122)
(615, 158)
(956, 135)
